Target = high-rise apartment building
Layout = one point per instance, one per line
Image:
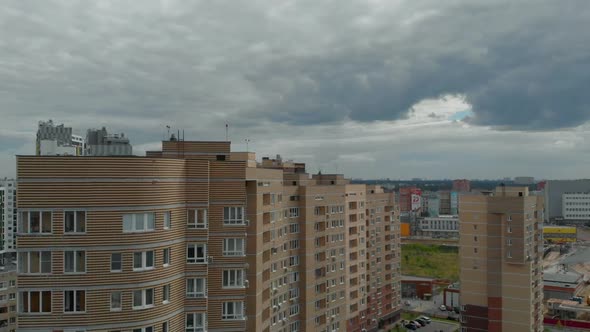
(8, 215)
(57, 140)
(197, 238)
(501, 261)
(100, 143)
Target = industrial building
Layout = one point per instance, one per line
(554, 191)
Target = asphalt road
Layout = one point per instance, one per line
(437, 326)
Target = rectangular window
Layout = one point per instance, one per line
(75, 221)
(116, 262)
(294, 228)
(116, 301)
(144, 329)
(233, 278)
(166, 256)
(143, 260)
(75, 301)
(165, 327)
(232, 310)
(35, 222)
(34, 262)
(196, 253)
(233, 247)
(195, 322)
(293, 212)
(138, 222)
(165, 293)
(197, 219)
(167, 222)
(75, 261)
(143, 298)
(34, 301)
(233, 215)
(196, 287)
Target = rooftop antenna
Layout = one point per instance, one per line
(247, 144)
(168, 129)
(226, 132)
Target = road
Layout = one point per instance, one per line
(437, 326)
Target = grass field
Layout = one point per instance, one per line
(430, 261)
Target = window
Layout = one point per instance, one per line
(75, 261)
(75, 301)
(143, 260)
(75, 221)
(233, 247)
(34, 301)
(12, 283)
(166, 256)
(233, 278)
(116, 301)
(293, 228)
(165, 327)
(195, 322)
(196, 287)
(12, 296)
(233, 215)
(293, 212)
(138, 222)
(143, 298)
(167, 220)
(294, 310)
(232, 310)
(35, 222)
(196, 253)
(144, 329)
(509, 229)
(509, 254)
(197, 219)
(116, 263)
(34, 262)
(166, 294)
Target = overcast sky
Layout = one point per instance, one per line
(371, 88)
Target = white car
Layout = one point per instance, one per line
(425, 318)
(443, 307)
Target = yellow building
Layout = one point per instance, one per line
(560, 234)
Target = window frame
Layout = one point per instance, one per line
(236, 306)
(20, 256)
(120, 262)
(196, 259)
(235, 252)
(144, 261)
(75, 262)
(166, 252)
(144, 302)
(196, 222)
(195, 328)
(166, 294)
(120, 307)
(41, 295)
(21, 229)
(75, 302)
(146, 221)
(234, 216)
(75, 221)
(237, 275)
(196, 294)
(167, 222)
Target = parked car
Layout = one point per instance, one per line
(425, 318)
(421, 321)
(443, 307)
(410, 327)
(416, 323)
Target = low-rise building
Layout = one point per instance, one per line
(440, 227)
(559, 283)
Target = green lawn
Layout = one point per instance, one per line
(432, 261)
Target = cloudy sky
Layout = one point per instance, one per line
(371, 88)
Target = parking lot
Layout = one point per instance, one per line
(437, 326)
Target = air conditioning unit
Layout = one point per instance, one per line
(292, 300)
(209, 259)
(246, 283)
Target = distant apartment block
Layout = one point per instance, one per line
(8, 215)
(501, 261)
(462, 185)
(55, 139)
(198, 238)
(100, 143)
